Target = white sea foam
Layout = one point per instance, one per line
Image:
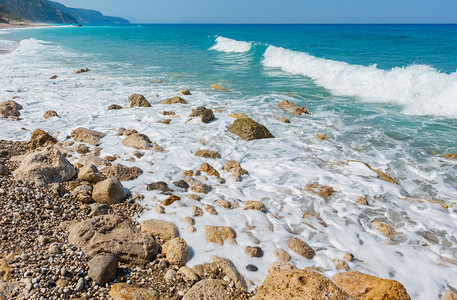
(420, 89)
(228, 45)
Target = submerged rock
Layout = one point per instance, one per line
(320, 190)
(185, 92)
(83, 70)
(218, 234)
(249, 129)
(217, 87)
(290, 107)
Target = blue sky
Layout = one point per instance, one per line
(275, 11)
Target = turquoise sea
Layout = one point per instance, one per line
(385, 95)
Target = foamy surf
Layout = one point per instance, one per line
(228, 45)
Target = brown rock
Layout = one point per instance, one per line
(141, 141)
(201, 188)
(161, 229)
(10, 109)
(450, 295)
(50, 114)
(124, 291)
(217, 87)
(349, 257)
(82, 149)
(210, 209)
(165, 121)
(127, 132)
(255, 205)
(160, 186)
(210, 289)
(137, 100)
(290, 107)
(233, 167)
(285, 120)
(281, 265)
(224, 203)
(181, 184)
(168, 113)
(195, 197)
(116, 235)
(361, 201)
(231, 272)
(114, 107)
(122, 172)
(385, 229)
(218, 234)
(320, 190)
(203, 112)
(170, 200)
(176, 251)
(249, 130)
(363, 286)
(301, 248)
(209, 169)
(185, 92)
(282, 255)
(83, 70)
(321, 136)
(109, 191)
(298, 285)
(174, 100)
(450, 156)
(54, 77)
(90, 173)
(188, 273)
(103, 268)
(207, 153)
(85, 135)
(341, 265)
(239, 116)
(40, 138)
(197, 211)
(91, 159)
(253, 251)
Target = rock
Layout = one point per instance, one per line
(233, 167)
(50, 114)
(164, 121)
(281, 265)
(188, 273)
(163, 264)
(249, 130)
(90, 173)
(290, 107)
(160, 186)
(83, 70)
(10, 109)
(450, 295)
(85, 135)
(349, 257)
(231, 272)
(44, 167)
(191, 229)
(170, 200)
(255, 205)
(239, 116)
(252, 268)
(141, 141)
(40, 138)
(96, 161)
(122, 172)
(80, 284)
(116, 235)
(195, 197)
(124, 291)
(197, 211)
(3, 169)
(201, 188)
(209, 169)
(204, 113)
(219, 234)
(189, 220)
(301, 248)
(185, 92)
(282, 255)
(385, 229)
(137, 100)
(364, 286)
(54, 77)
(321, 136)
(171, 274)
(97, 209)
(209, 289)
(341, 265)
(168, 113)
(381, 175)
(210, 209)
(224, 203)
(127, 132)
(159, 228)
(361, 201)
(176, 251)
(320, 190)
(285, 120)
(253, 251)
(103, 268)
(207, 153)
(299, 284)
(181, 184)
(217, 87)
(54, 249)
(138, 154)
(174, 100)
(109, 191)
(114, 107)
(82, 149)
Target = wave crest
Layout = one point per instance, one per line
(228, 45)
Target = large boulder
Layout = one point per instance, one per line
(122, 172)
(141, 141)
(103, 268)
(297, 285)
(174, 100)
(40, 138)
(90, 173)
(116, 235)
(85, 135)
(44, 167)
(10, 109)
(159, 228)
(124, 291)
(109, 191)
(210, 289)
(290, 107)
(137, 100)
(176, 251)
(249, 129)
(364, 286)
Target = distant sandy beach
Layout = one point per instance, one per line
(3, 25)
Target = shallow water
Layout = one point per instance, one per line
(384, 95)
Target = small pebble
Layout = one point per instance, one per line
(252, 268)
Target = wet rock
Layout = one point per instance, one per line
(209, 169)
(114, 107)
(82, 149)
(141, 142)
(450, 295)
(217, 87)
(381, 175)
(53, 77)
(85, 135)
(197, 211)
(10, 109)
(122, 172)
(159, 228)
(109, 191)
(249, 130)
(159, 186)
(219, 234)
(207, 153)
(185, 92)
(320, 190)
(188, 273)
(124, 291)
(204, 113)
(210, 209)
(253, 251)
(50, 114)
(41, 138)
(231, 272)
(96, 161)
(90, 173)
(224, 203)
(168, 113)
(385, 229)
(281, 265)
(103, 268)
(290, 107)
(191, 229)
(164, 121)
(174, 100)
(285, 120)
(234, 168)
(209, 289)
(349, 257)
(299, 284)
(364, 286)
(239, 116)
(341, 265)
(252, 268)
(255, 205)
(176, 251)
(181, 184)
(282, 255)
(301, 248)
(195, 197)
(44, 167)
(82, 70)
(137, 100)
(201, 188)
(116, 235)
(127, 132)
(321, 136)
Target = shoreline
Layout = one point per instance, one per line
(6, 26)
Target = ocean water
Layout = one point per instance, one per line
(385, 95)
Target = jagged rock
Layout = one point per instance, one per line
(109, 191)
(300, 247)
(231, 272)
(83, 70)
(185, 92)
(282, 255)
(44, 167)
(10, 109)
(253, 251)
(219, 234)
(90, 173)
(160, 186)
(176, 251)
(141, 141)
(201, 188)
(159, 228)
(290, 107)
(85, 135)
(233, 167)
(249, 129)
(103, 268)
(297, 285)
(204, 113)
(122, 172)
(174, 100)
(197, 211)
(255, 205)
(364, 286)
(116, 235)
(320, 190)
(209, 289)
(209, 169)
(114, 107)
(217, 87)
(124, 291)
(341, 265)
(207, 153)
(188, 273)
(50, 114)
(39, 138)
(137, 100)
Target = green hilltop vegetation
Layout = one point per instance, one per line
(6, 15)
(43, 11)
